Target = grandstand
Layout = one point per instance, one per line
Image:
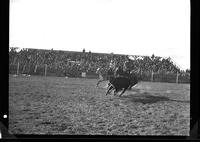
(73, 64)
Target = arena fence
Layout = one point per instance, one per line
(45, 70)
(164, 77)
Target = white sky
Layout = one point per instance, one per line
(134, 27)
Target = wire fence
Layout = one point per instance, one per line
(44, 70)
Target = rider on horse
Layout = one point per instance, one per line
(127, 65)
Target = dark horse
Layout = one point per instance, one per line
(118, 79)
(122, 80)
(118, 84)
(132, 75)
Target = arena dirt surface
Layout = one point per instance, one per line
(73, 106)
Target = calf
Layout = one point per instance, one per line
(118, 84)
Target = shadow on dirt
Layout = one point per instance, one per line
(148, 98)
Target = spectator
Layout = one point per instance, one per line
(59, 60)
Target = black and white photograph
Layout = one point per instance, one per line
(99, 67)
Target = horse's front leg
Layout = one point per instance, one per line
(123, 91)
(111, 87)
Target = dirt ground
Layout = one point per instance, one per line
(73, 106)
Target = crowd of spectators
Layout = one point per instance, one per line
(67, 63)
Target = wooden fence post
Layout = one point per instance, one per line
(45, 71)
(152, 76)
(35, 68)
(18, 68)
(23, 69)
(177, 77)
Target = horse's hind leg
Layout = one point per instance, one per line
(116, 91)
(129, 88)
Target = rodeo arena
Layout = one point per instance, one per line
(54, 92)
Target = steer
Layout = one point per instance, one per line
(118, 84)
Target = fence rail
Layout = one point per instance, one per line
(45, 70)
